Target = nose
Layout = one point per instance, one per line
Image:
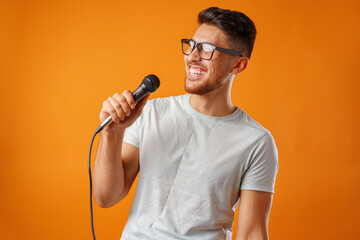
(194, 56)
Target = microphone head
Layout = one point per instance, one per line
(151, 82)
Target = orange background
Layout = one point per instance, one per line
(61, 59)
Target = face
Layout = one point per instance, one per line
(204, 76)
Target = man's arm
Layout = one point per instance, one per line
(117, 163)
(115, 170)
(254, 210)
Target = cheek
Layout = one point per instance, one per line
(224, 67)
(215, 68)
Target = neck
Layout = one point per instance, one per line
(216, 103)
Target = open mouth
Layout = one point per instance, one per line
(196, 72)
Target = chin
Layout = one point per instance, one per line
(198, 89)
(201, 86)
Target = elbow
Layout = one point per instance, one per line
(108, 200)
(103, 202)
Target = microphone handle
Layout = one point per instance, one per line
(138, 94)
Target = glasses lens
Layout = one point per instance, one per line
(187, 46)
(206, 50)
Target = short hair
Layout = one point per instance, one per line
(238, 27)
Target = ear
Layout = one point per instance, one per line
(240, 66)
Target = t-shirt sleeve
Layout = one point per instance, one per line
(132, 133)
(262, 166)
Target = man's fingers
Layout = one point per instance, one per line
(124, 103)
(110, 109)
(121, 106)
(130, 99)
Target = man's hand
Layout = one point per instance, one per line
(122, 109)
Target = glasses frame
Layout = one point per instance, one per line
(197, 46)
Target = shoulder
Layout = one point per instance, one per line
(166, 103)
(169, 100)
(263, 141)
(251, 126)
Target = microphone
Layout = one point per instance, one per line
(148, 85)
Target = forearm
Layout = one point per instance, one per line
(108, 173)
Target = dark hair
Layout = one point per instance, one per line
(240, 30)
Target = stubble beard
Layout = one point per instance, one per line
(204, 88)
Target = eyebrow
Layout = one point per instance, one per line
(203, 42)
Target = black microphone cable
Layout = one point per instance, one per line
(91, 205)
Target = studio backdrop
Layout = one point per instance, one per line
(59, 60)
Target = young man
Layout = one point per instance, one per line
(197, 155)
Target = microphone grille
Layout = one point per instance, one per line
(151, 82)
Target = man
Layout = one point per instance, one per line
(197, 155)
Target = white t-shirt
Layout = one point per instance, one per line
(192, 167)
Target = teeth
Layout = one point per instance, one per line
(195, 71)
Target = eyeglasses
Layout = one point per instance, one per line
(205, 50)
